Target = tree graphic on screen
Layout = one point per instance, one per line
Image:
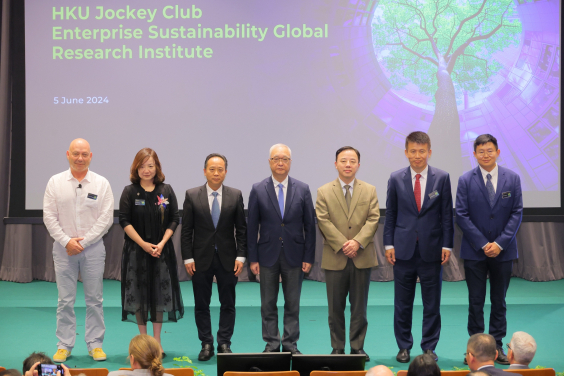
(445, 48)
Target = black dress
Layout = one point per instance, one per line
(149, 286)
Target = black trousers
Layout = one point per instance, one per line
(202, 282)
(405, 282)
(355, 283)
(476, 280)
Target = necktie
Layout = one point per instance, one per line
(215, 209)
(281, 199)
(417, 191)
(491, 190)
(348, 196)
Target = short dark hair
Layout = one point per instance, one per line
(423, 365)
(33, 358)
(484, 139)
(418, 137)
(347, 148)
(213, 155)
(10, 372)
(482, 346)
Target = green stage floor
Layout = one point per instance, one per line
(27, 324)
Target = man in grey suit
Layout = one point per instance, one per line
(521, 350)
(481, 352)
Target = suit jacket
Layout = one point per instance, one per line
(199, 237)
(296, 230)
(518, 366)
(433, 225)
(339, 225)
(481, 223)
(498, 372)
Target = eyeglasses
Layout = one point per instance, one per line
(482, 153)
(508, 347)
(283, 160)
(466, 353)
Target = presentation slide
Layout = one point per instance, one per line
(190, 78)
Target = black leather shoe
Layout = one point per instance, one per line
(361, 351)
(163, 355)
(293, 351)
(403, 356)
(267, 350)
(432, 353)
(335, 351)
(206, 353)
(465, 361)
(224, 349)
(501, 357)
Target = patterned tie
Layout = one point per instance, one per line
(490, 189)
(215, 209)
(348, 196)
(417, 191)
(281, 199)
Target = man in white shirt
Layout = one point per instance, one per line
(480, 354)
(77, 211)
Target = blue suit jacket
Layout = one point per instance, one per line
(433, 225)
(296, 230)
(482, 224)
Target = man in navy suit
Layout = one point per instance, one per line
(281, 208)
(418, 237)
(489, 209)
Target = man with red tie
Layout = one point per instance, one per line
(418, 237)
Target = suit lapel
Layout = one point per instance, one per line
(429, 187)
(479, 180)
(272, 194)
(357, 191)
(338, 191)
(205, 205)
(289, 194)
(225, 197)
(501, 179)
(409, 188)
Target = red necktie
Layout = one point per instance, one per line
(417, 192)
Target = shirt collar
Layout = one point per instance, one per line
(210, 191)
(343, 183)
(276, 182)
(493, 172)
(486, 366)
(70, 176)
(423, 173)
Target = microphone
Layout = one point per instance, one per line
(79, 186)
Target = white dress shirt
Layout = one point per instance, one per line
(284, 187)
(72, 212)
(344, 189)
(210, 202)
(494, 173)
(423, 186)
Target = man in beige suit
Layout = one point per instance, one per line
(347, 213)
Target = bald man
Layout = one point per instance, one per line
(77, 211)
(379, 371)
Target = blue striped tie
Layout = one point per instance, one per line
(490, 188)
(281, 199)
(215, 209)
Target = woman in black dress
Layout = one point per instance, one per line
(148, 213)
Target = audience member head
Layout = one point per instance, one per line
(145, 353)
(379, 371)
(423, 365)
(34, 358)
(10, 372)
(521, 349)
(480, 351)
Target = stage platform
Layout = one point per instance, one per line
(27, 323)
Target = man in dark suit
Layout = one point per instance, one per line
(214, 243)
(418, 237)
(489, 208)
(480, 354)
(282, 208)
(521, 350)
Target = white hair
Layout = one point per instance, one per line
(524, 347)
(279, 145)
